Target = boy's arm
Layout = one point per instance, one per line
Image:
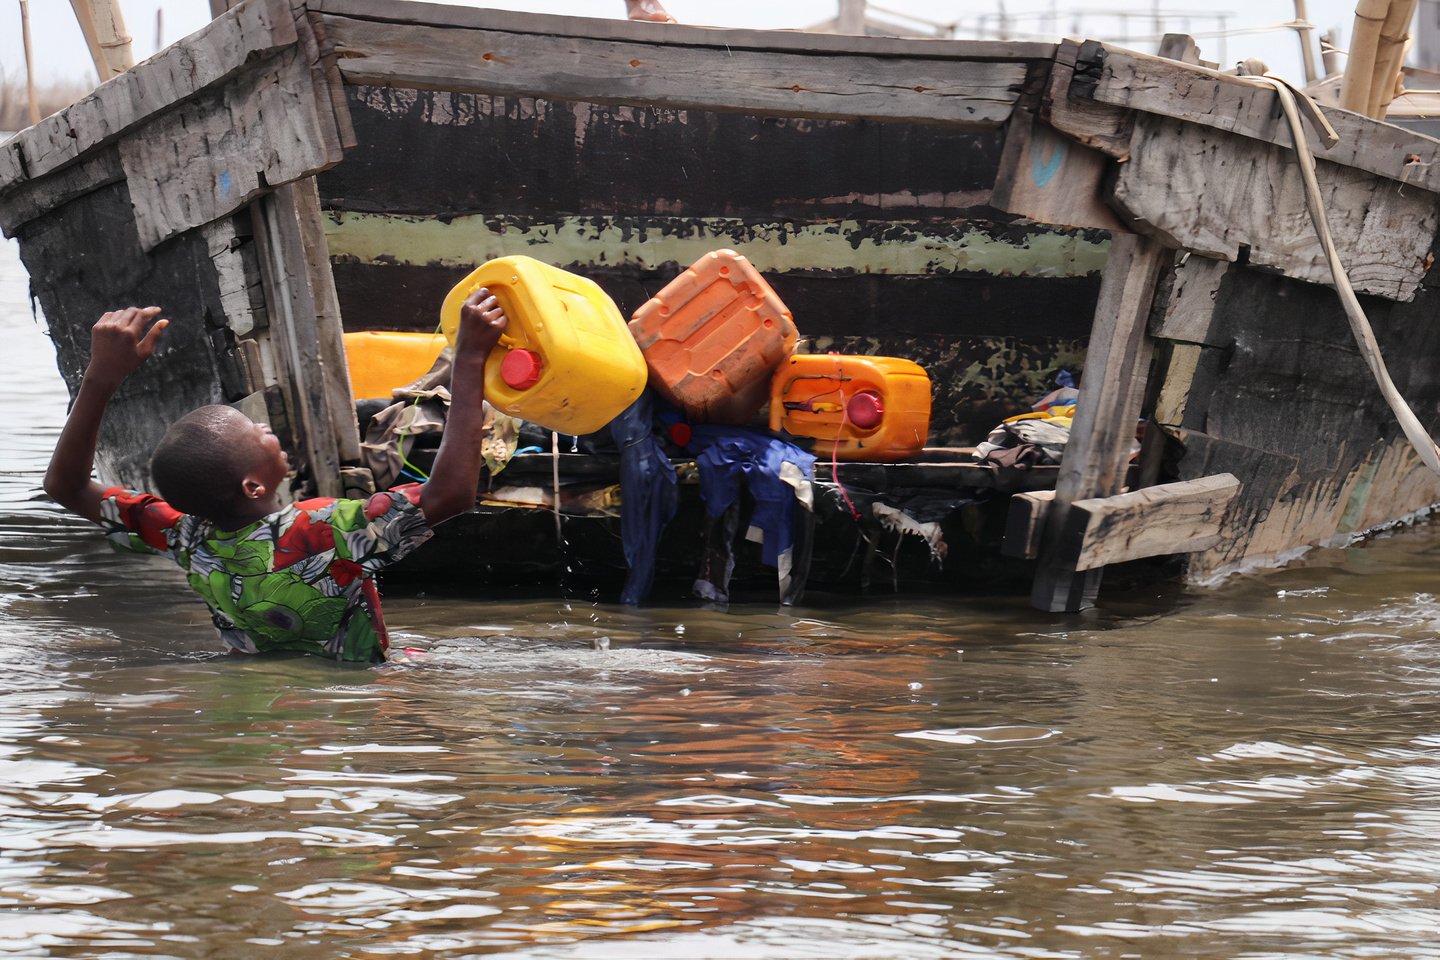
(119, 342)
(455, 476)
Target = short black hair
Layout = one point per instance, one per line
(197, 466)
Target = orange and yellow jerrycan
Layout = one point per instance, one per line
(713, 336)
(856, 408)
(566, 360)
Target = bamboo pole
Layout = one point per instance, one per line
(114, 39)
(86, 18)
(104, 28)
(1329, 54)
(1394, 37)
(850, 19)
(1364, 43)
(29, 62)
(1307, 42)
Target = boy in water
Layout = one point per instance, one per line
(276, 578)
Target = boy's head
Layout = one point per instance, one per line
(217, 463)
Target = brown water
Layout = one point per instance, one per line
(1244, 772)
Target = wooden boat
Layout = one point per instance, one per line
(995, 211)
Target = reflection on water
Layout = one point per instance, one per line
(1244, 772)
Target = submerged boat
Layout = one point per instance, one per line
(996, 211)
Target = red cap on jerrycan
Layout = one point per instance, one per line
(865, 409)
(520, 369)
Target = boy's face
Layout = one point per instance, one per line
(258, 447)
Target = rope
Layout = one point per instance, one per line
(1414, 431)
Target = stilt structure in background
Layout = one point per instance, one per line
(1377, 53)
(29, 62)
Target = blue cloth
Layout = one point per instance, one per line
(729, 457)
(647, 495)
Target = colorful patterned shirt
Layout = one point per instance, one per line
(300, 579)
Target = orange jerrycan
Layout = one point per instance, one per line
(381, 360)
(713, 336)
(566, 360)
(859, 408)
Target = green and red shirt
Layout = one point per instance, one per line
(301, 579)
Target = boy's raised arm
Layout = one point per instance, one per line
(119, 342)
(453, 480)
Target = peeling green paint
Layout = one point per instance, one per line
(908, 248)
(1364, 482)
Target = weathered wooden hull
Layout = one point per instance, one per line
(876, 235)
(993, 211)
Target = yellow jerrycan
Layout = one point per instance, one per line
(567, 360)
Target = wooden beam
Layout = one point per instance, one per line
(874, 245)
(1158, 521)
(1050, 178)
(35, 198)
(1097, 125)
(954, 475)
(1122, 78)
(334, 371)
(761, 82)
(326, 72)
(1189, 311)
(678, 35)
(217, 152)
(1025, 524)
(207, 57)
(296, 331)
(1116, 364)
(1215, 193)
(1179, 46)
(240, 289)
(1176, 383)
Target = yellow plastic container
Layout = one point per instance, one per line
(382, 360)
(858, 408)
(566, 360)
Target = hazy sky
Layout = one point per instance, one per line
(60, 50)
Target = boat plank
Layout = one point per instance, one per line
(1155, 85)
(218, 151)
(36, 198)
(1096, 125)
(1096, 457)
(878, 245)
(294, 334)
(1189, 311)
(214, 53)
(239, 288)
(1048, 178)
(1216, 193)
(83, 260)
(605, 28)
(419, 152)
(334, 373)
(1025, 524)
(1172, 518)
(767, 82)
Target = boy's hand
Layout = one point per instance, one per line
(481, 322)
(121, 340)
(453, 478)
